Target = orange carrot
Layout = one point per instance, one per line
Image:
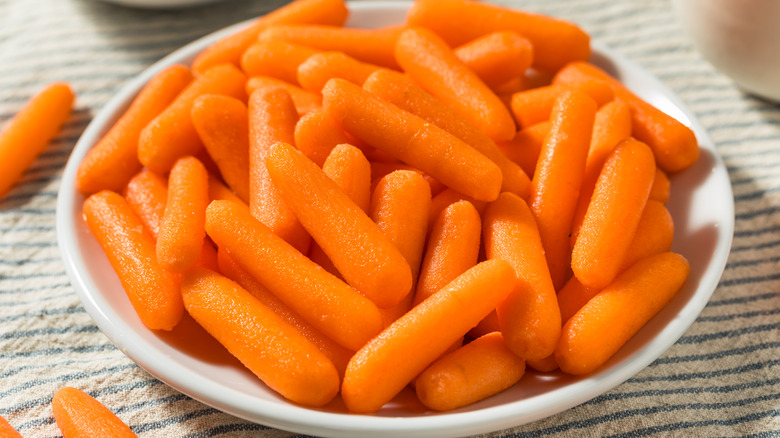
(452, 249)
(546, 365)
(335, 352)
(348, 168)
(323, 300)
(572, 296)
(535, 105)
(7, 431)
(366, 258)
(529, 319)
(615, 314)
(524, 149)
(447, 197)
(316, 134)
(171, 135)
(230, 48)
(556, 42)
(153, 291)
(222, 124)
(654, 234)
(379, 370)
(114, 159)
(497, 57)
(147, 194)
(479, 369)
(674, 144)
(218, 190)
(402, 92)
(182, 230)
(489, 324)
(617, 203)
(412, 140)
(373, 46)
(558, 176)
(277, 59)
(431, 63)
(275, 351)
(26, 135)
(272, 118)
(305, 101)
(661, 187)
(315, 72)
(79, 415)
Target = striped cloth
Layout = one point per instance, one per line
(722, 378)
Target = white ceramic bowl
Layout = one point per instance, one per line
(701, 204)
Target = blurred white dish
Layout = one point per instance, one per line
(701, 204)
(161, 4)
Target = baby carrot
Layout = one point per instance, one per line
(618, 199)
(316, 134)
(335, 352)
(323, 300)
(488, 324)
(222, 124)
(529, 318)
(447, 197)
(79, 415)
(524, 149)
(348, 168)
(305, 101)
(401, 91)
(661, 187)
(153, 291)
(366, 258)
(114, 159)
(373, 46)
(315, 72)
(387, 363)
(572, 296)
(277, 59)
(218, 190)
(171, 135)
(272, 118)
(275, 351)
(428, 60)
(615, 314)
(556, 42)
(26, 135)
(7, 431)
(546, 365)
(479, 369)
(497, 57)
(182, 229)
(558, 176)
(230, 48)
(453, 248)
(654, 234)
(535, 105)
(147, 194)
(674, 144)
(412, 140)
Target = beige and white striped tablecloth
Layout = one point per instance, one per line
(722, 378)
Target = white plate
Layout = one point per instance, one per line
(701, 204)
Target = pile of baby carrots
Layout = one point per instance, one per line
(438, 204)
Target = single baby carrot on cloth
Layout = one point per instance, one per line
(315, 72)
(674, 144)
(277, 59)
(617, 203)
(615, 314)
(305, 101)
(524, 149)
(147, 194)
(410, 139)
(114, 159)
(381, 369)
(432, 64)
(373, 46)
(399, 90)
(275, 351)
(171, 135)
(26, 135)
(529, 318)
(558, 177)
(231, 48)
(7, 431)
(182, 229)
(316, 134)
(272, 118)
(79, 415)
(556, 42)
(497, 57)
(323, 300)
(153, 291)
(535, 105)
(479, 369)
(452, 249)
(363, 255)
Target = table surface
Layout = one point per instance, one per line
(722, 378)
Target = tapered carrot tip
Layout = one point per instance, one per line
(7, 431)
(79, 415)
